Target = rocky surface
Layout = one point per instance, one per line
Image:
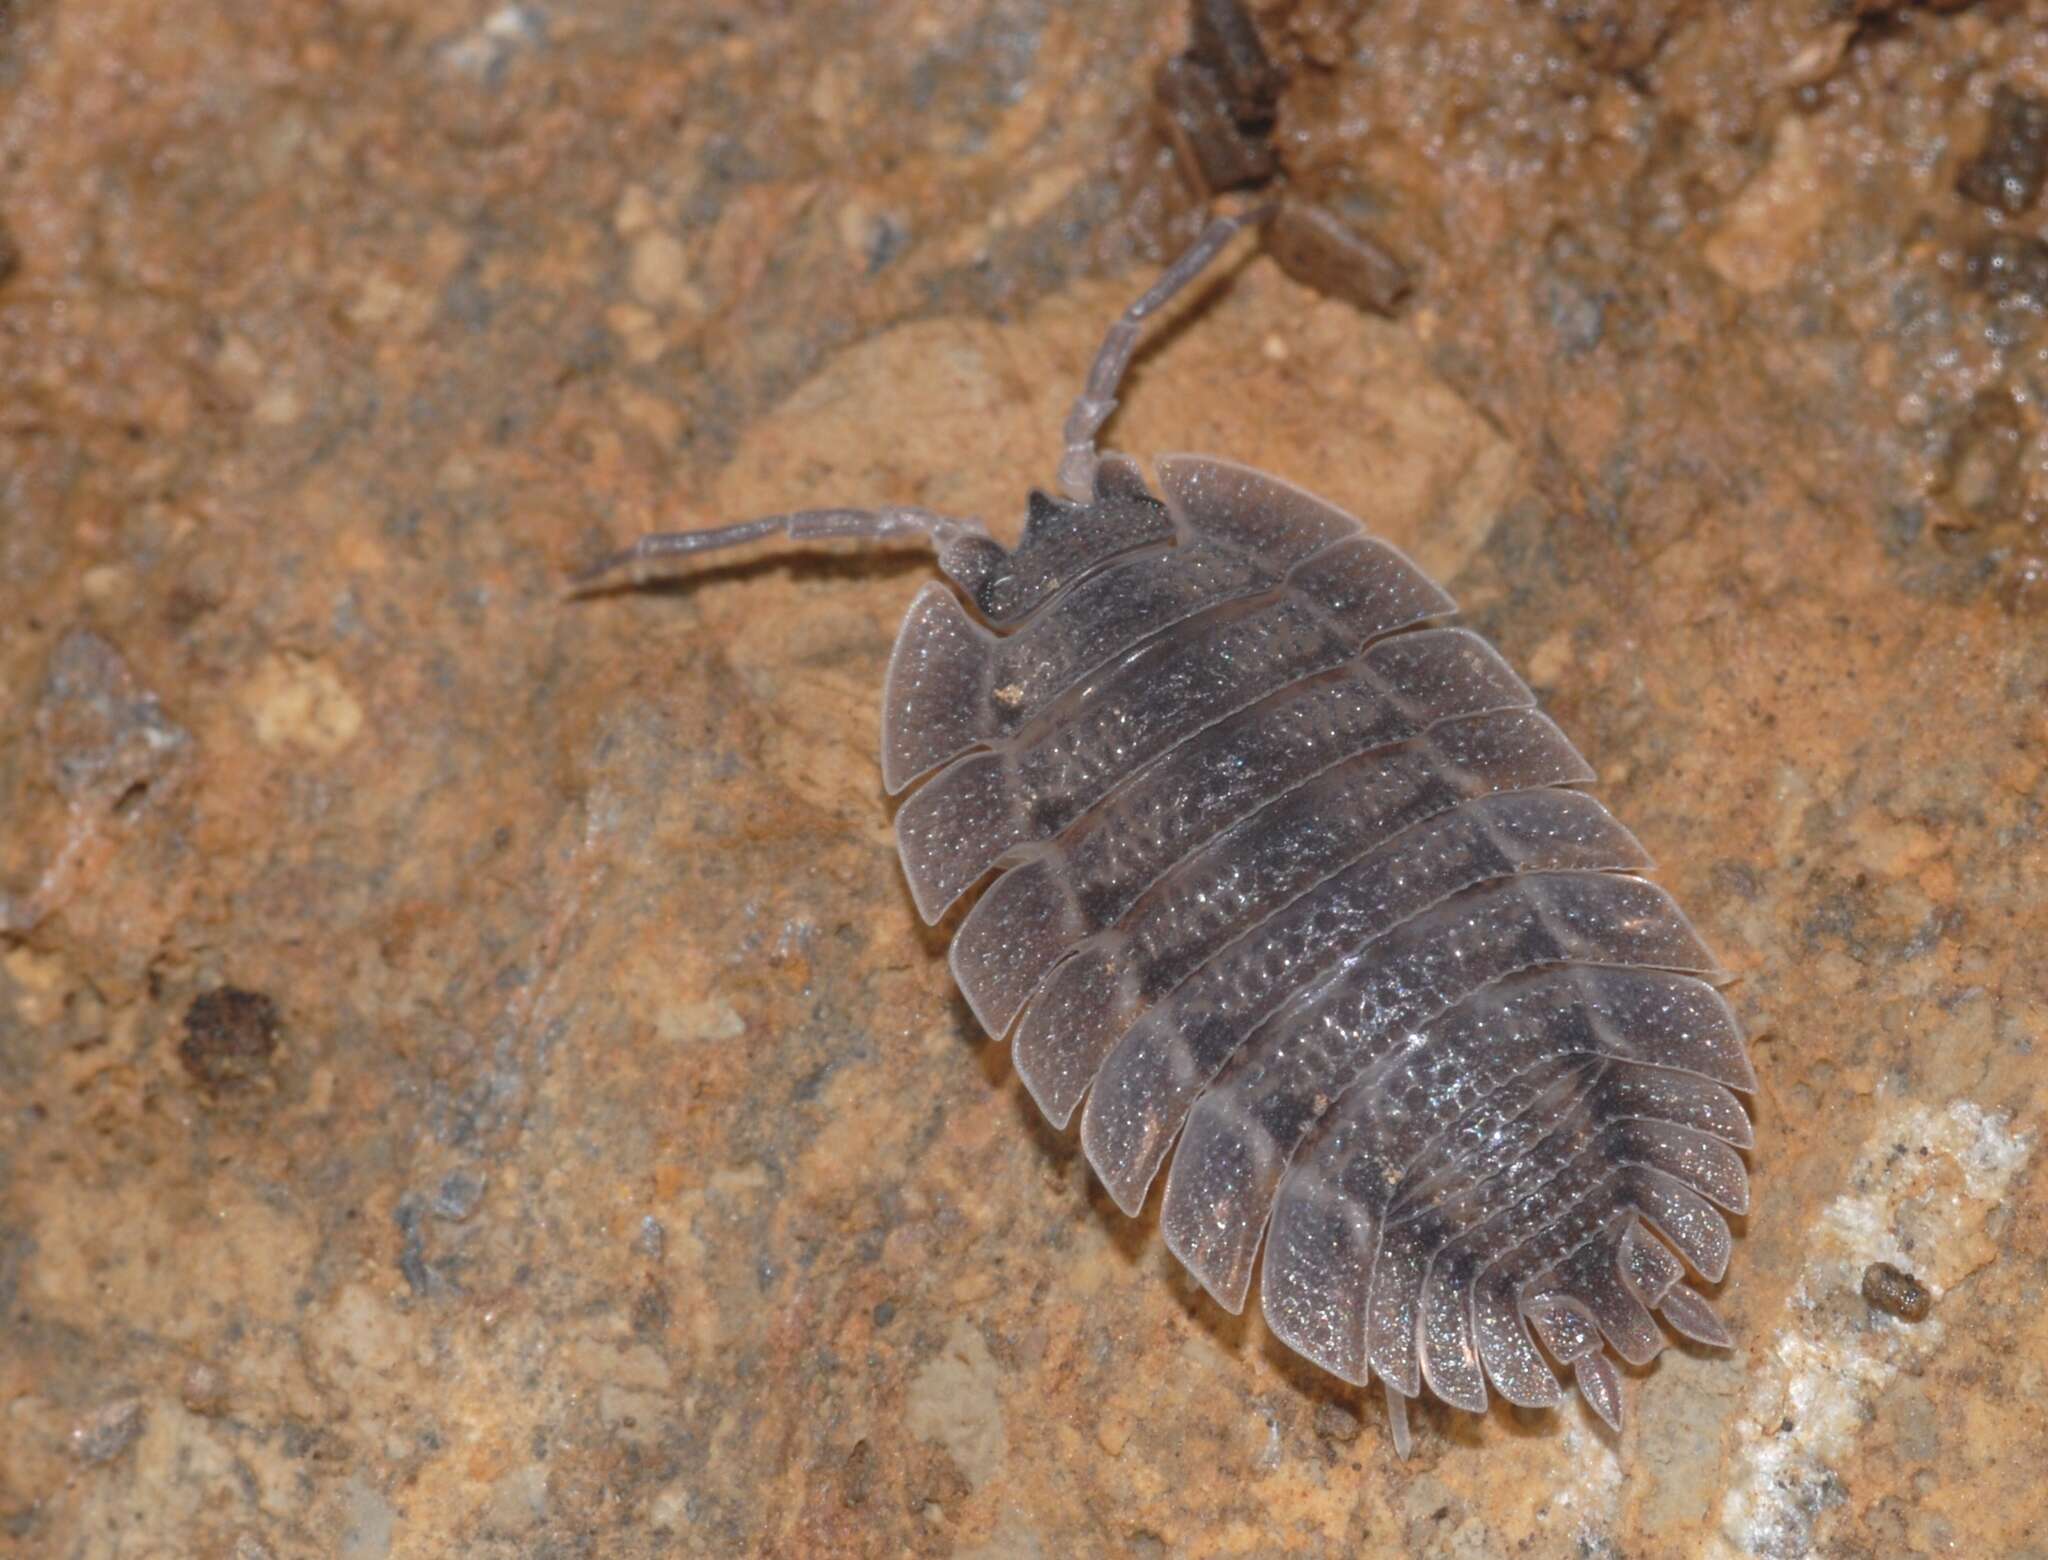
(473, 1079)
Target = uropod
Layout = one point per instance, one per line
(1285, 880)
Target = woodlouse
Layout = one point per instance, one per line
(1291, 873)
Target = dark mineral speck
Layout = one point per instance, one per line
(1896, 1292)
(230, 1037)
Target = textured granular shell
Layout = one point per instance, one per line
(1278, 875)
(1293, 875)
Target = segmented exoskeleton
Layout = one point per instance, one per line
(1281, 869)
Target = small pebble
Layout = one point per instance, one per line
(109, 1431)
(1896, 1292)
(230, 1036)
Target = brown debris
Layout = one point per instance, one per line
(2007, 172)
(1225, 42)
(1214, 103)
(857, 1474)
(1896, 1292)
(1214, 150)
(230, 1036)
(1320, 249)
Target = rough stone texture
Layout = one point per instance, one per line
(624, 1178)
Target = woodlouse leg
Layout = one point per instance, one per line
(1098, 396)
(1397, 1421)
(644, 559)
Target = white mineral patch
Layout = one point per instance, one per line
(510, 28)
(1592, 1494)
(954, 1399)
(1597, 1470)
(1918, 1196)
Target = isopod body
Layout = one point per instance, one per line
(1283, 876)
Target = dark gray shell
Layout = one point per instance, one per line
(1291, 873)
